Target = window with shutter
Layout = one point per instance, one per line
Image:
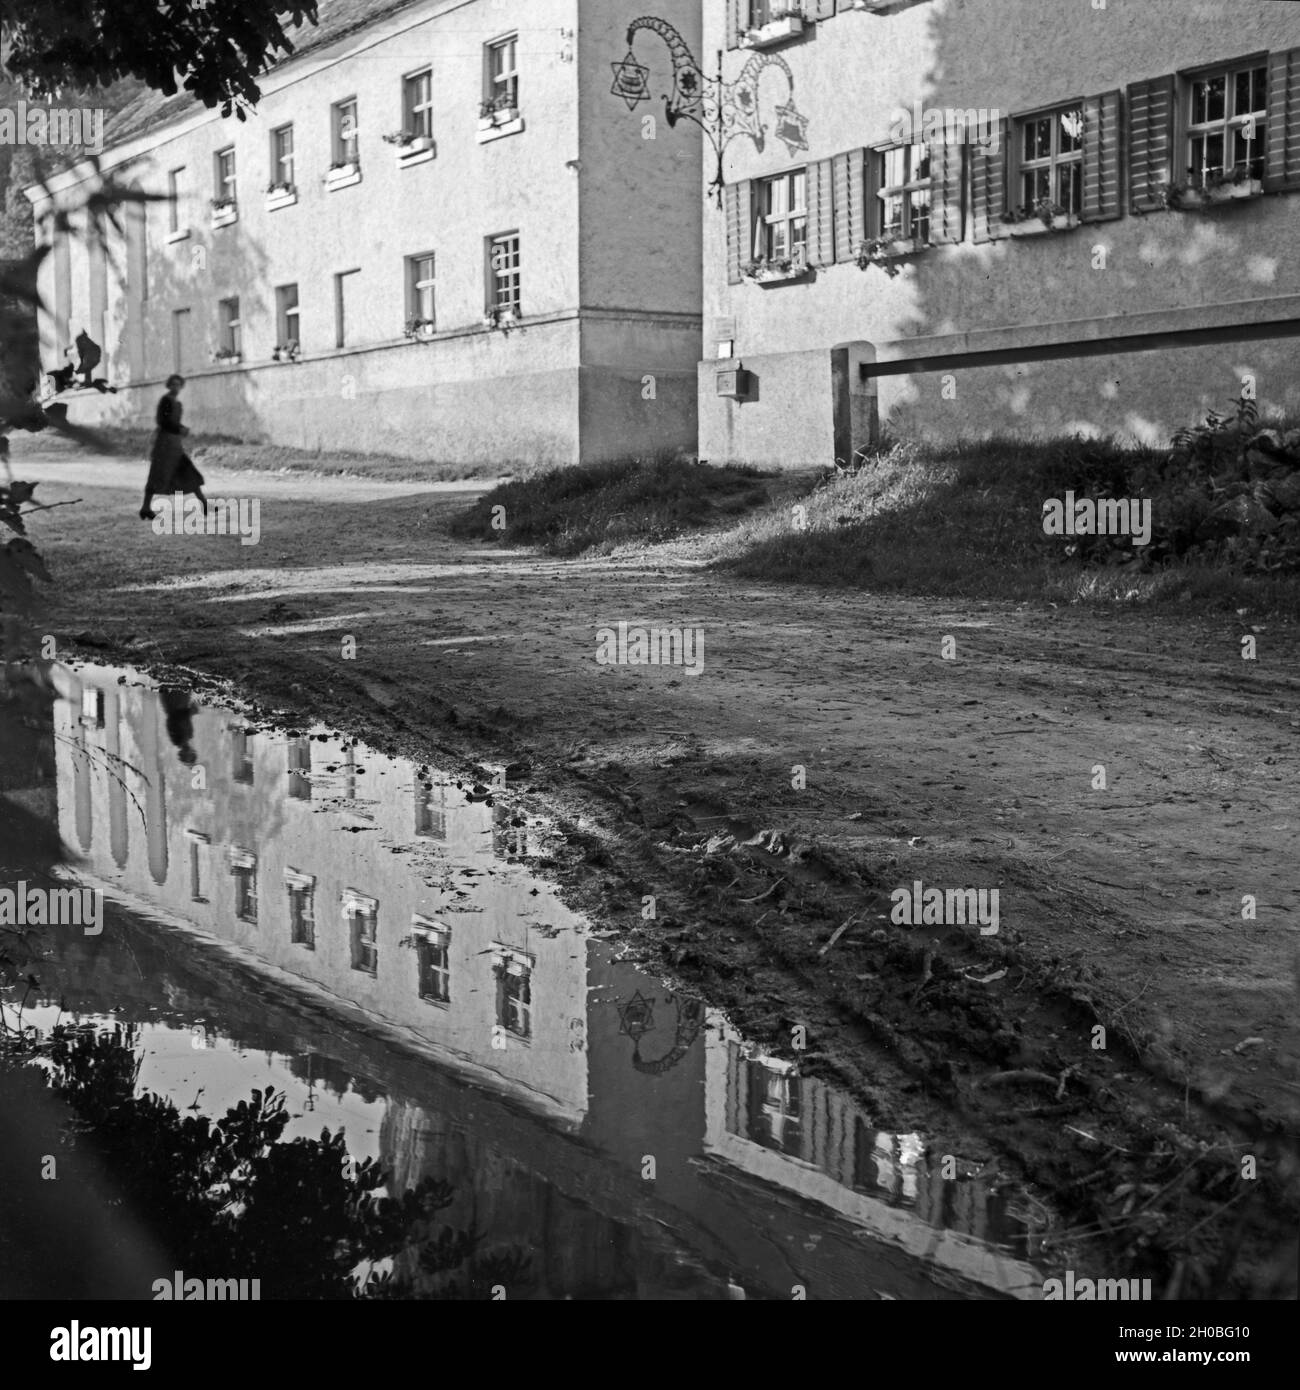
(1101, 158)
(1045, 161)
(737, 21)
(1282, 165)
(947, 162)
(848, 195)
(739, 219)
(821, 214)
(1150, 142)
(989, 188)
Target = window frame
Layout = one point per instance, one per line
(283, 312)
(362, 913)
(224, 185)
(766, 221)
(174, 196)
(302, 924)
(415, 288)
(1185, 130)
(415, 113)
(512, 275)
(280, 158)
(501, 88)
(912, 184)
(340, 143)
(1055, 162)
(432, 936)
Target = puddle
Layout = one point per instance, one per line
(288, 908)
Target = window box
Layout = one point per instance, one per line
(411, 148)
(872, 4)
(775, 31)
(1187, 198)
(780, 272)
(343, 175)
(1040, 219)
(181, 234)
(280, 195)
(495, 121)
(286, 352)
(420, 329)
(226, 357)
(224, 212)
(502, 319)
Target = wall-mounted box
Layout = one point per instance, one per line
(734, 382)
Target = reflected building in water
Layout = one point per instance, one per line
(382, 928)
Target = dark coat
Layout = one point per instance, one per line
(170, 468)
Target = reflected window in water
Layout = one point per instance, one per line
(363, 916)
(243, 866)
(241, 755)
(302, 908)
(433, 954)
(514, 975)
(775, 1110)
(200, 848)
(92, 708)
(300, 769)
(431, 812)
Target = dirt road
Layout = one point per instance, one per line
(1127, 784)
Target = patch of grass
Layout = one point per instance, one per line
(567, 511)
(965, 521)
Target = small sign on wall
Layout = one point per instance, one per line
(734, 382)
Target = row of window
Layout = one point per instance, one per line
(500, 103)
(1235, 126)
(432, 940)
(504, 303)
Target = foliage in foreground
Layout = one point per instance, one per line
(229, 1197)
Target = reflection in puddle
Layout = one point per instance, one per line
(293, 909)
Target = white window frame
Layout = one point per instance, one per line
(792, 218)
(1064, 167)
(282, 158)
(505, 277)
(430, 932)
(916, 154)
(1228, 125)
(283, 313)
(421, 292)
(232, 341)
(345, 149)
(224, 183)
(296, 884)
(362, 913)
(417, 115)
(501, 74)
(175, 194)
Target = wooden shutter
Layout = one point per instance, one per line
(1150, 141)
(1282, 169)
(740, 229)
(870, 195)
(989, 186)
(821, 214)
(946, 165)
(847, 183)
(818, 9)
(1101, 162)
(737, 21)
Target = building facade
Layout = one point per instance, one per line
(972, 217)
(429, 239)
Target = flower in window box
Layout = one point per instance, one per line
(221, 204)
(883, 251)
(279, 186)
(419, 328)
(227, 355)
(499, 109)
(1210, 188)
(1053, 216)
(343, 166)
(408, 141)
(286, 352)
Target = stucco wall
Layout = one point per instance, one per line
(1012, 56)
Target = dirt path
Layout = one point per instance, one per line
(1119, 905)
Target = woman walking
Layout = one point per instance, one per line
(170, 468)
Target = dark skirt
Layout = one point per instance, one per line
(170, 468)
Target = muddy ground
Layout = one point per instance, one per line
(1120, 907)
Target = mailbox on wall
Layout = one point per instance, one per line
(734, 382)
